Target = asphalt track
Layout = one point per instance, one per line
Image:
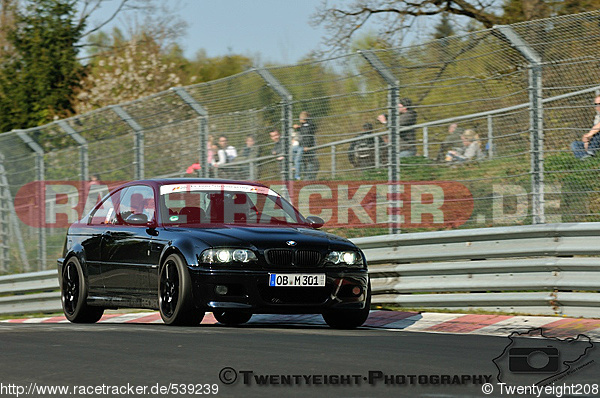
(151, 354)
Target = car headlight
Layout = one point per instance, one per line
(227, 255)
(346, 257)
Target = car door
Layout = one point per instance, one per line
(126, 260)
(96, 224)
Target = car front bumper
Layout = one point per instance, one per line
(250, 291)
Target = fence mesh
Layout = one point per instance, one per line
(483, 81)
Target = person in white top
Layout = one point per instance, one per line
(471, 149)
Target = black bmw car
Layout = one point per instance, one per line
(190, 246)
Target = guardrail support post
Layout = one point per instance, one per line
(394, 139)
(536, 119)
(84, 164)
(40, 173)
(286, 118)
(139, 140)
(203, 119)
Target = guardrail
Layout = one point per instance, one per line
(29, 293)
(529, 269)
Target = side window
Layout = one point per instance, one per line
(105, 213)
(138, 199)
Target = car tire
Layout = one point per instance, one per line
(74, 292)
(175, 294)
(349, 319)
(232, 317)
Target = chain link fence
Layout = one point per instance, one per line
(526, 90)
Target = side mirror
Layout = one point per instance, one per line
(315, 222)
(137, 219)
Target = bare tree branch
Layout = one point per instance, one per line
(95, 7)
(393, 18)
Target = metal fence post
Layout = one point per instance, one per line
(84, 164)
(333, 161)
(536, 120)
(425, 142)
(40, 176)
(490, 136)
(4, 218)
(139, 140)
(392, 123)
(286, 118)
(203, 119)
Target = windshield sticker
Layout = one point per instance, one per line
(167, 189)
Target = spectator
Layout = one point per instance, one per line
(407, 117)
(470, 150)
(307, 139)
(362, 153)
(277, 150)
(452, 139)
(297, 153)
(225, 154)
(590, 142)
(95, 179)
(210, 141)
(250, 151)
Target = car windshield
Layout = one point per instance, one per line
(184, 204)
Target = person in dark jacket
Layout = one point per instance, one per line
(407, 117)
(277, 150)
(306, 138)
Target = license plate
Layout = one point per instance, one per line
(296, 279)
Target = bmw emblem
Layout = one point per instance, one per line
(291, 243)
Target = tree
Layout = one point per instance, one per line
(39, 74)
(133, 69)
(395, 17)
(444, 28)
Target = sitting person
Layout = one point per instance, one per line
(451, 140)
(471, 149)
(590, 142)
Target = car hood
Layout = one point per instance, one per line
(268, 237)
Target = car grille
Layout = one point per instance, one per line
(294, 295)
(290, 258)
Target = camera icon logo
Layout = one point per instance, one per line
(530, 357)
(534, 360)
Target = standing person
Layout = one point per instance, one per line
(297, 153)
(407, 117)
(249, 152)
(225, 154)
(590, 142)
(307, 139)
(277, 150)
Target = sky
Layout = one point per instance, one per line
(277, 30)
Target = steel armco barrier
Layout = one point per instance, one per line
(536, 269)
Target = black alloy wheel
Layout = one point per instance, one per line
(175, 294)
(349, 319)
(74, 294)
